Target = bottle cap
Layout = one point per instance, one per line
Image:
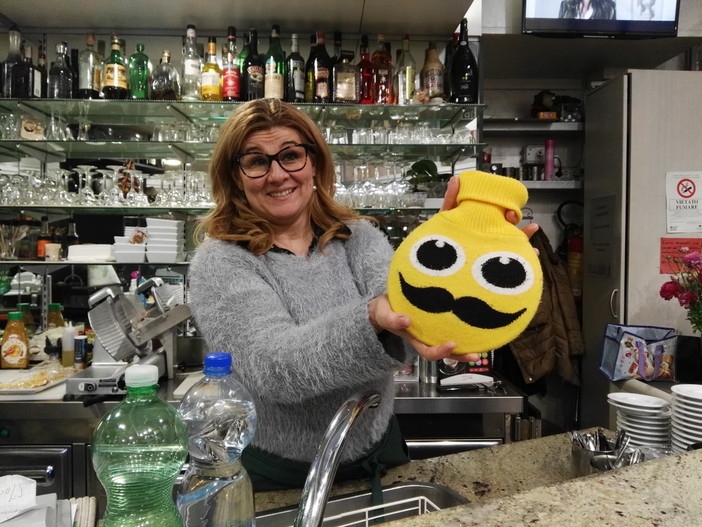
(23, 307)
(140, 375)
(218, 364)
(54, 307)
(14, 315)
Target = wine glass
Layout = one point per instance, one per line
(86, 194)
(136, 196)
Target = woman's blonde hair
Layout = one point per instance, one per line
(232, 218)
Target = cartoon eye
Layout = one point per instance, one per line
(437, 255)
(503, 272)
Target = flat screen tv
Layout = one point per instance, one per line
(601, 18)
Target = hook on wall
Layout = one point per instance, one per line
(527, 214)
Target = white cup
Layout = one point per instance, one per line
(53, 252)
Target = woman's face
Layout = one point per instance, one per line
(283, 198)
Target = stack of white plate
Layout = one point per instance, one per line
(166, 242)
(645, 419)
(687, 415)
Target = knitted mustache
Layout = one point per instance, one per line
(469, 309)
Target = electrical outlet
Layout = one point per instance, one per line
(533, 154)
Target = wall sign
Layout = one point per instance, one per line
(683, 194)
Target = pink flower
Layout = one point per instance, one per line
(692, 260)
(670, 289)
(687, 298)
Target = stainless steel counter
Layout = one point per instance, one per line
(28, 427)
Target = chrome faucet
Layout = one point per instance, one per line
(323, 469)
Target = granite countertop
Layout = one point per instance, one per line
(530, 483)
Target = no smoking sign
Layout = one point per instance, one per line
(686, 188)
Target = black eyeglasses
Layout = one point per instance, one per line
(255, 165)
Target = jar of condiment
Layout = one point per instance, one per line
(30, 325)
(14, 348)
(54, 318)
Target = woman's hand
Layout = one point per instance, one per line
(382, 317)
(450, 202)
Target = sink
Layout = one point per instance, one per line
(402, 500)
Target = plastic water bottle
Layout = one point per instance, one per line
(221, 419)
(138, 450)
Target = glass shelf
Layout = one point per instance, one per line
(131, 112)
(13, 210)
(51, 151)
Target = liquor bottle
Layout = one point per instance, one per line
(336, 59)
(295, 73)
(448, 57)
(72, 59)
(89, 70)
(253, 70)
(23, 75)
(382, 64)
(309, 70)
(405, 74)
(321, 68)
(42, 71)
(43, 238)
(241, 59)
(14, 56)
(211, 78)
(192, 67)
(165, 80)
(366, 70)
(71, 238)
(139, 74)
(464, 71)
(231, 74)
(274, 83)
(346, 80)
(432, 76)
(60, 75)
(114, 80)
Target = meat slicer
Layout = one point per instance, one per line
(126, 333)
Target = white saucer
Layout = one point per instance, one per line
(687, 433)
(637, 400)
(682, 421)
(643, 428)
(688, 391)
(686, 411)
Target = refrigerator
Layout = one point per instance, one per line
(643, 130)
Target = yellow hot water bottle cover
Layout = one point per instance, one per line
(467, 275)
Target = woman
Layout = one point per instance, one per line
(588, 9)
(293, 284)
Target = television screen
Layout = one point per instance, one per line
(601, 18)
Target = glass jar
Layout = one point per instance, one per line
(54, 318)
(14, 349)
(30, 326)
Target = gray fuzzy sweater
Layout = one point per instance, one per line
(298, 330)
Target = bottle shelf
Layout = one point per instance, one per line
(135, 112)
(187, 151)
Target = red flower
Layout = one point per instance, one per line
(687, 298)
(670, 290)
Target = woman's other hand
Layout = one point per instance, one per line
(450, 202)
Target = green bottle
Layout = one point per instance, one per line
(139, 74)
(274, 84)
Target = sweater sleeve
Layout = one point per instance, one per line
(240, 309)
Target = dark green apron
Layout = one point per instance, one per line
(271, 472)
